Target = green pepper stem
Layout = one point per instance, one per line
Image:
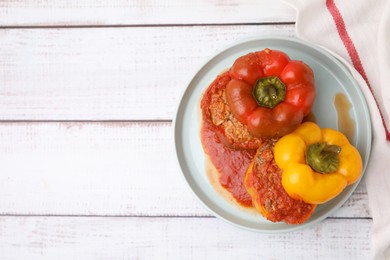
(269, 91)
(323, 158)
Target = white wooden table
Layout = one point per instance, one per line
(88, 91)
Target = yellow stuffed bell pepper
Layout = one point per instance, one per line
(317, 163)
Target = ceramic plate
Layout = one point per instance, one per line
(331, 78)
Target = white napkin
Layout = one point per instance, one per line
(358, 33)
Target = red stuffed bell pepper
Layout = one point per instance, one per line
(269, 93)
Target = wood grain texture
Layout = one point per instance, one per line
(86, 174)
(125, 12)
(107, 73)
(117, 169)
(175, 238)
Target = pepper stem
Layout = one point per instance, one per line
(269, 91)
(323, 158)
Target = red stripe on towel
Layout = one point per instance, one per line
(352, 52)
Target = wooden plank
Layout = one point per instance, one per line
(106, 73)
(121, 169)
(84, 169)
(176, 238)
(123, 12)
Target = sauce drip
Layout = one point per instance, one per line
(345, 123)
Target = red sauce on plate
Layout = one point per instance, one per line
(231, 163)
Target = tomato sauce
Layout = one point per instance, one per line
(230, 163)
